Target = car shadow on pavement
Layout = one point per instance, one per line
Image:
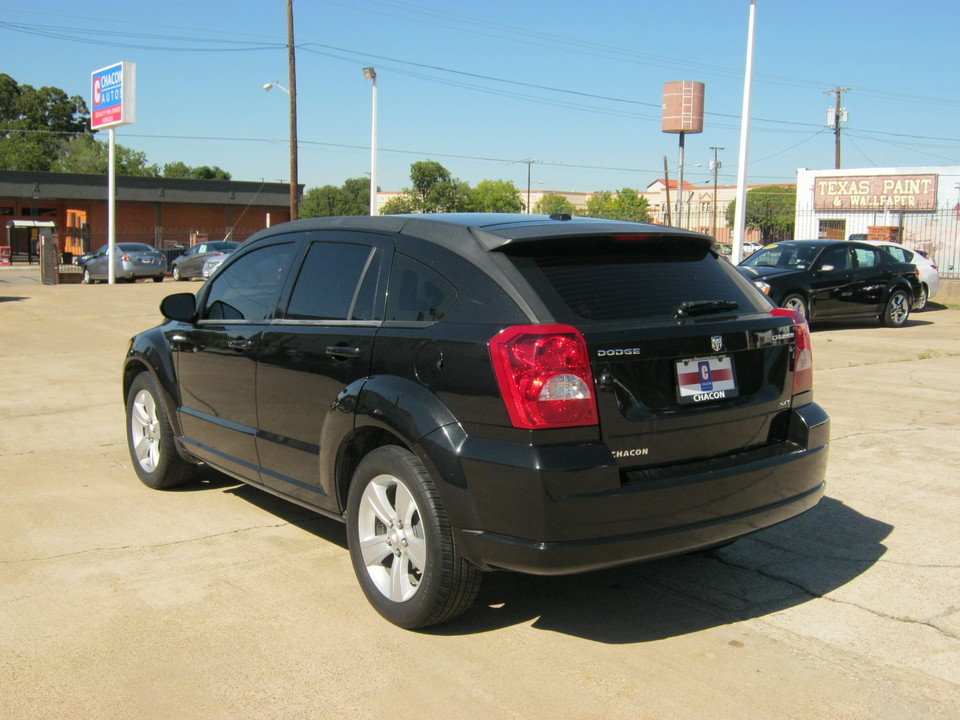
(323, 527)
(775, 569)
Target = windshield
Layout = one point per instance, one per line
(794, 257)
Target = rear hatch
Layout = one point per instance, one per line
(688, 360)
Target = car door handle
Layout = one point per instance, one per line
(240, 344)
(343, 352)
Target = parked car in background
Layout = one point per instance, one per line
(929, 273)
(823, 279)
(212, 264)
(190, 263)
(485, 392)
(131, 261)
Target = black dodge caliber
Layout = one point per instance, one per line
(482, 392)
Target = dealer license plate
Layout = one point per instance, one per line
(705, 379)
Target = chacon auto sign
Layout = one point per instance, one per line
(904, 193)
(112, 95)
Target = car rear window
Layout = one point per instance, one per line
(606, 279)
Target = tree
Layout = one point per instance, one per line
(400, 205)
(626, 204)
(495, 196)
(352, 198)
(553, 204)
(434, 190)
(180, 169)
(770, 209)
(85, 154)
(35, 124)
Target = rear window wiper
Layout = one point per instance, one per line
(689, 308)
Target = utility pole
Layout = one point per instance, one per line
(835, 117)
(292, 62)
(529, 162)
(715, 165)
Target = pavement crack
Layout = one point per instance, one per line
(302, 522)
(812, 594)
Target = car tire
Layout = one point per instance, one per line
(158, 278)
(896, 310)
(87, 278)
(922, 299)
(150, 438)
(176, 273)
(797, 303)
(402, 545)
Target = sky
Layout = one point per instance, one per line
(569, 92)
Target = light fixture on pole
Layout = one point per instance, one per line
(292, 92)
(371, 74)
(293, 147)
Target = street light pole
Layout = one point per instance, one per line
(371, 74)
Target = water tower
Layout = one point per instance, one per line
(682, 114)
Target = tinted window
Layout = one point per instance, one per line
(329, 284)
(899, 253)
(417, 293)
(867, 257)
(796, 257)
(249, 288)
(837, 258)
(222, 246)
(600, 279)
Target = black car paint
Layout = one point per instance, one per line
(838, 293)
(541, 501)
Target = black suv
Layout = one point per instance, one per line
(835, 279)
(479, 392)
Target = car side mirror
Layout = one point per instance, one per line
(181, 307)
(827, 268)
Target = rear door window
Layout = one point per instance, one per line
(338, 281)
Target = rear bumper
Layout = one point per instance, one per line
(129, 270)
(492, 551)
(642, 519)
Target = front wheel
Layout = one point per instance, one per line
(176, 273)
(150, 438)
(797, 303)
(87, 277)
(897, 309)
(401, 543)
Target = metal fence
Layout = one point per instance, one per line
(936, 233)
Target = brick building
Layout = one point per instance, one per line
(162, 212)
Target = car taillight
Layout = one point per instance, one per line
(125, 257)
(544, 376)
(803, 351)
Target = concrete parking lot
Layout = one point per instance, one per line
(219, 601)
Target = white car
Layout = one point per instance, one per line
(929, 273)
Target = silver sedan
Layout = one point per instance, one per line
(131, 261)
